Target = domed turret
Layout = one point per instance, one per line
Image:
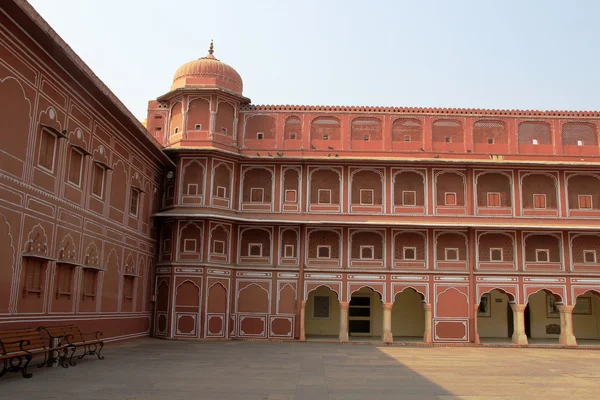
(208, 72)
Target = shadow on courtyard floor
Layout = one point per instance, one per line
(159, 369)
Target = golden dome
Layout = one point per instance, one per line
(208, 72)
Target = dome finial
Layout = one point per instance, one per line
(211, 48)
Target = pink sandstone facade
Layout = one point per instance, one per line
(232, 220)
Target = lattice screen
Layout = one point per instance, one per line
(538, 184)
(367, 180)
(258, 236)
(325, 179)
(260, 123)
(585, 242)
(322, 127)
(579, 134)
(257, 178)
(493, 183)
(290, 179)
(323, 238)
(496, 241)
(363, 127)
(293, 128)
(451, 240)
(530, 131)
(222, 178)
(447, 130)
(193, 179)
(489, 132)
(367, 239)
(542, 242)
(409, 239)
(450, 182)
(403, 127)
(409, 182)
(581, 185)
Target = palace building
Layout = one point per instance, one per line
(223, 219)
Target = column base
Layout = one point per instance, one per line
(567, 340)
(344, 337)
(387, 337)
(519, 338)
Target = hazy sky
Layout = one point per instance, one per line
(480, 54)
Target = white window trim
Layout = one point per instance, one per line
(319, 196)
(579, 197)
(449, 249)
(176, 130)
(223, 131)
(580, 142)
(499, 199)
(221, 189)
(372, 197)
(372, 248)
(45, 131)
(262, 195)
(214, 247)
(407, 138)
(328, 309)
(260, 135)
(593, 253)
(185, 245)
(137, 202)
(501, 254)
(290, 191)
(195, 185)
(414, 249)
(542, 251)
(198, 127)
(325, 136)
(101, 196)
(328, 249)
(167, 246)
(446, 198)
(77, 185)
(404, 203)
(251, 245)
(545, 201)
(285, 250)
(534, 142)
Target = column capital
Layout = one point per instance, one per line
(563, 308)
(427, 306)
(303, 303)
(517, 307)
(344, 304)
(388, 306)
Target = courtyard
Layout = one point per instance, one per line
(159, 369)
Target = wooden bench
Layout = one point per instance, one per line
(73, 338)
(19, 346)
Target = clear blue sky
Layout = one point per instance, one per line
(480, 54)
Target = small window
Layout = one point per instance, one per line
(257, 195)
(409, 253)
(158, 117)
(292, 136)
(493, 199)
(451, 254)
(75, 167)
(367, 252)
(98, 181)
(65, 280)
(221, 192)
(539, 201)
(366, 197)
(34, 269)
(167, 246)
(407, 138)
(89, 283)
(158, 128)
(218, 247)
(495, 254)
(580, 143)
(490, 140)
(198, 127)
(189, 245)
(192, 189)
(47, 150)
(321, 307)
(128, 285)
(409, 198)
(224, 131)
(534, 142)
(585, 201)
(255, 250)
(450, 199)
(135, 199)
(447, 140)
(324, 196)
(589, 256)
(323, 251)
(366, 138)
(260, 135)
(326, 136)
(290, 196)
(176, 130)
(288, 251)
(542, 255)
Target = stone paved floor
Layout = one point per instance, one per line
(170, 370)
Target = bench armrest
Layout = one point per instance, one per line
(50, 336)
(96, 334)
(20, 342)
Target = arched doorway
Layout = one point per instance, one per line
(586, 319)
(542, 318)
(408, 316)
(495, 317)
(365, 315)
(322, 315)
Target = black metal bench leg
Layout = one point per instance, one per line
(4, 368)
(99, 350)
(24, 367)
(71, 362)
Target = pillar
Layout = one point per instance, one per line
(566, 337)
(427, 334)
(475, 324)
(387, 336)
(213, 123)
(302, 319)
(344, 321)
(519, 336)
